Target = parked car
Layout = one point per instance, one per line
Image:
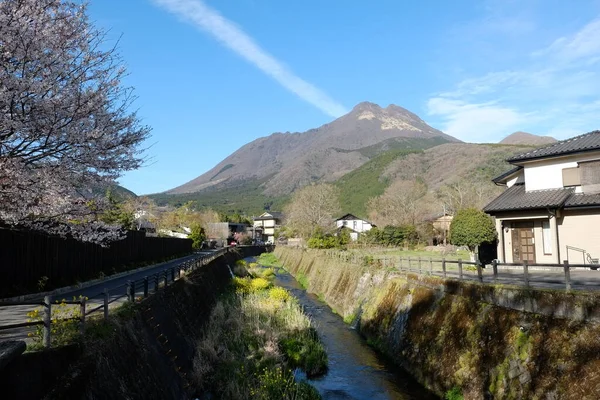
(209, 244)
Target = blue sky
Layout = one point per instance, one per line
(213, 75)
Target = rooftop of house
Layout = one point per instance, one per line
(508, 174)
(516, 198)
(583, 143)
(350, 217)
(267, 215)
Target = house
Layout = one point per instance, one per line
(224, 230)
(265, 224)
(550, 210)
(441, 225)
(355, 224)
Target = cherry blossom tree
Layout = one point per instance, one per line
(66, 123)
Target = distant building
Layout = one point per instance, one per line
(354, 224)
(441, 225)
(224, 230)
(265, 224)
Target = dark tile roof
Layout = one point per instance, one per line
(516, 198)
(586, 142)
(506, 174)
(583, 200)
(349, 217)
(275, 215)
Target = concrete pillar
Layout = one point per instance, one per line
(500, 231)
(555, 242)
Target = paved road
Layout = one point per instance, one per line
(550, 278)
(117, 287)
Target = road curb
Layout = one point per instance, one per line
(86, 284)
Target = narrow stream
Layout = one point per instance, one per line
(356, 371)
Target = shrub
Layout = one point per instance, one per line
(320, 240)
(279, 294)
(64, 323)
(198, 236)
(258, 284)
(471, 227)
(454, 394)
(242, 285)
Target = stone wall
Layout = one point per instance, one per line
(489, 341)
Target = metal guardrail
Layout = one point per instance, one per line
(145, 284)
(474, 271)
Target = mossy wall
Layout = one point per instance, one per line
(491, 341)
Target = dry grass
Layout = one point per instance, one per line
(245, 352)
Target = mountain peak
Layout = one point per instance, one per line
(366, 106)
(525, 138)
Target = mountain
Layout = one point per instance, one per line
(437, 166)
(524, 138)
(324, 154)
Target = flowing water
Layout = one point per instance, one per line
(356, 371)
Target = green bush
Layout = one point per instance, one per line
(403, 235)
(471, 227)
(198, 236)
(320, 240)
(454, 394)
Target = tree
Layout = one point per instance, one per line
(472, 227)
(465, 194)
(65, 119)
(198, 236)
(402, 203)
(117, 214)
(313, 207)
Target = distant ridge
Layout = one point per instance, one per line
(524, 138)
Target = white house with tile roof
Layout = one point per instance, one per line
(550, 210)
(265, 225)
(354, 224)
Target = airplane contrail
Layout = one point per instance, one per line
(232, 36)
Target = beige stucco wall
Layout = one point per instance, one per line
(579, 229)
(547, 173)
(507, 221)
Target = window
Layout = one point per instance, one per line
(547, 237)
(571, 177)
(590, 177)
(354, 225)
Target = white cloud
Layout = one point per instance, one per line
(556, 92)
(582, 44)
(233, 37)
(475, 122)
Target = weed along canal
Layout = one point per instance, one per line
(355, 370)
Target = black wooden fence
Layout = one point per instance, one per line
(31, 261)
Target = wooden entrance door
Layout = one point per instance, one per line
(523, 242)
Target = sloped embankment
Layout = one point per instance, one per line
(144, 352)
(475, 339)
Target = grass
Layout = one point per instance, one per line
(302, 280)
(256, 336)
(436, 255)
(268, 260)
